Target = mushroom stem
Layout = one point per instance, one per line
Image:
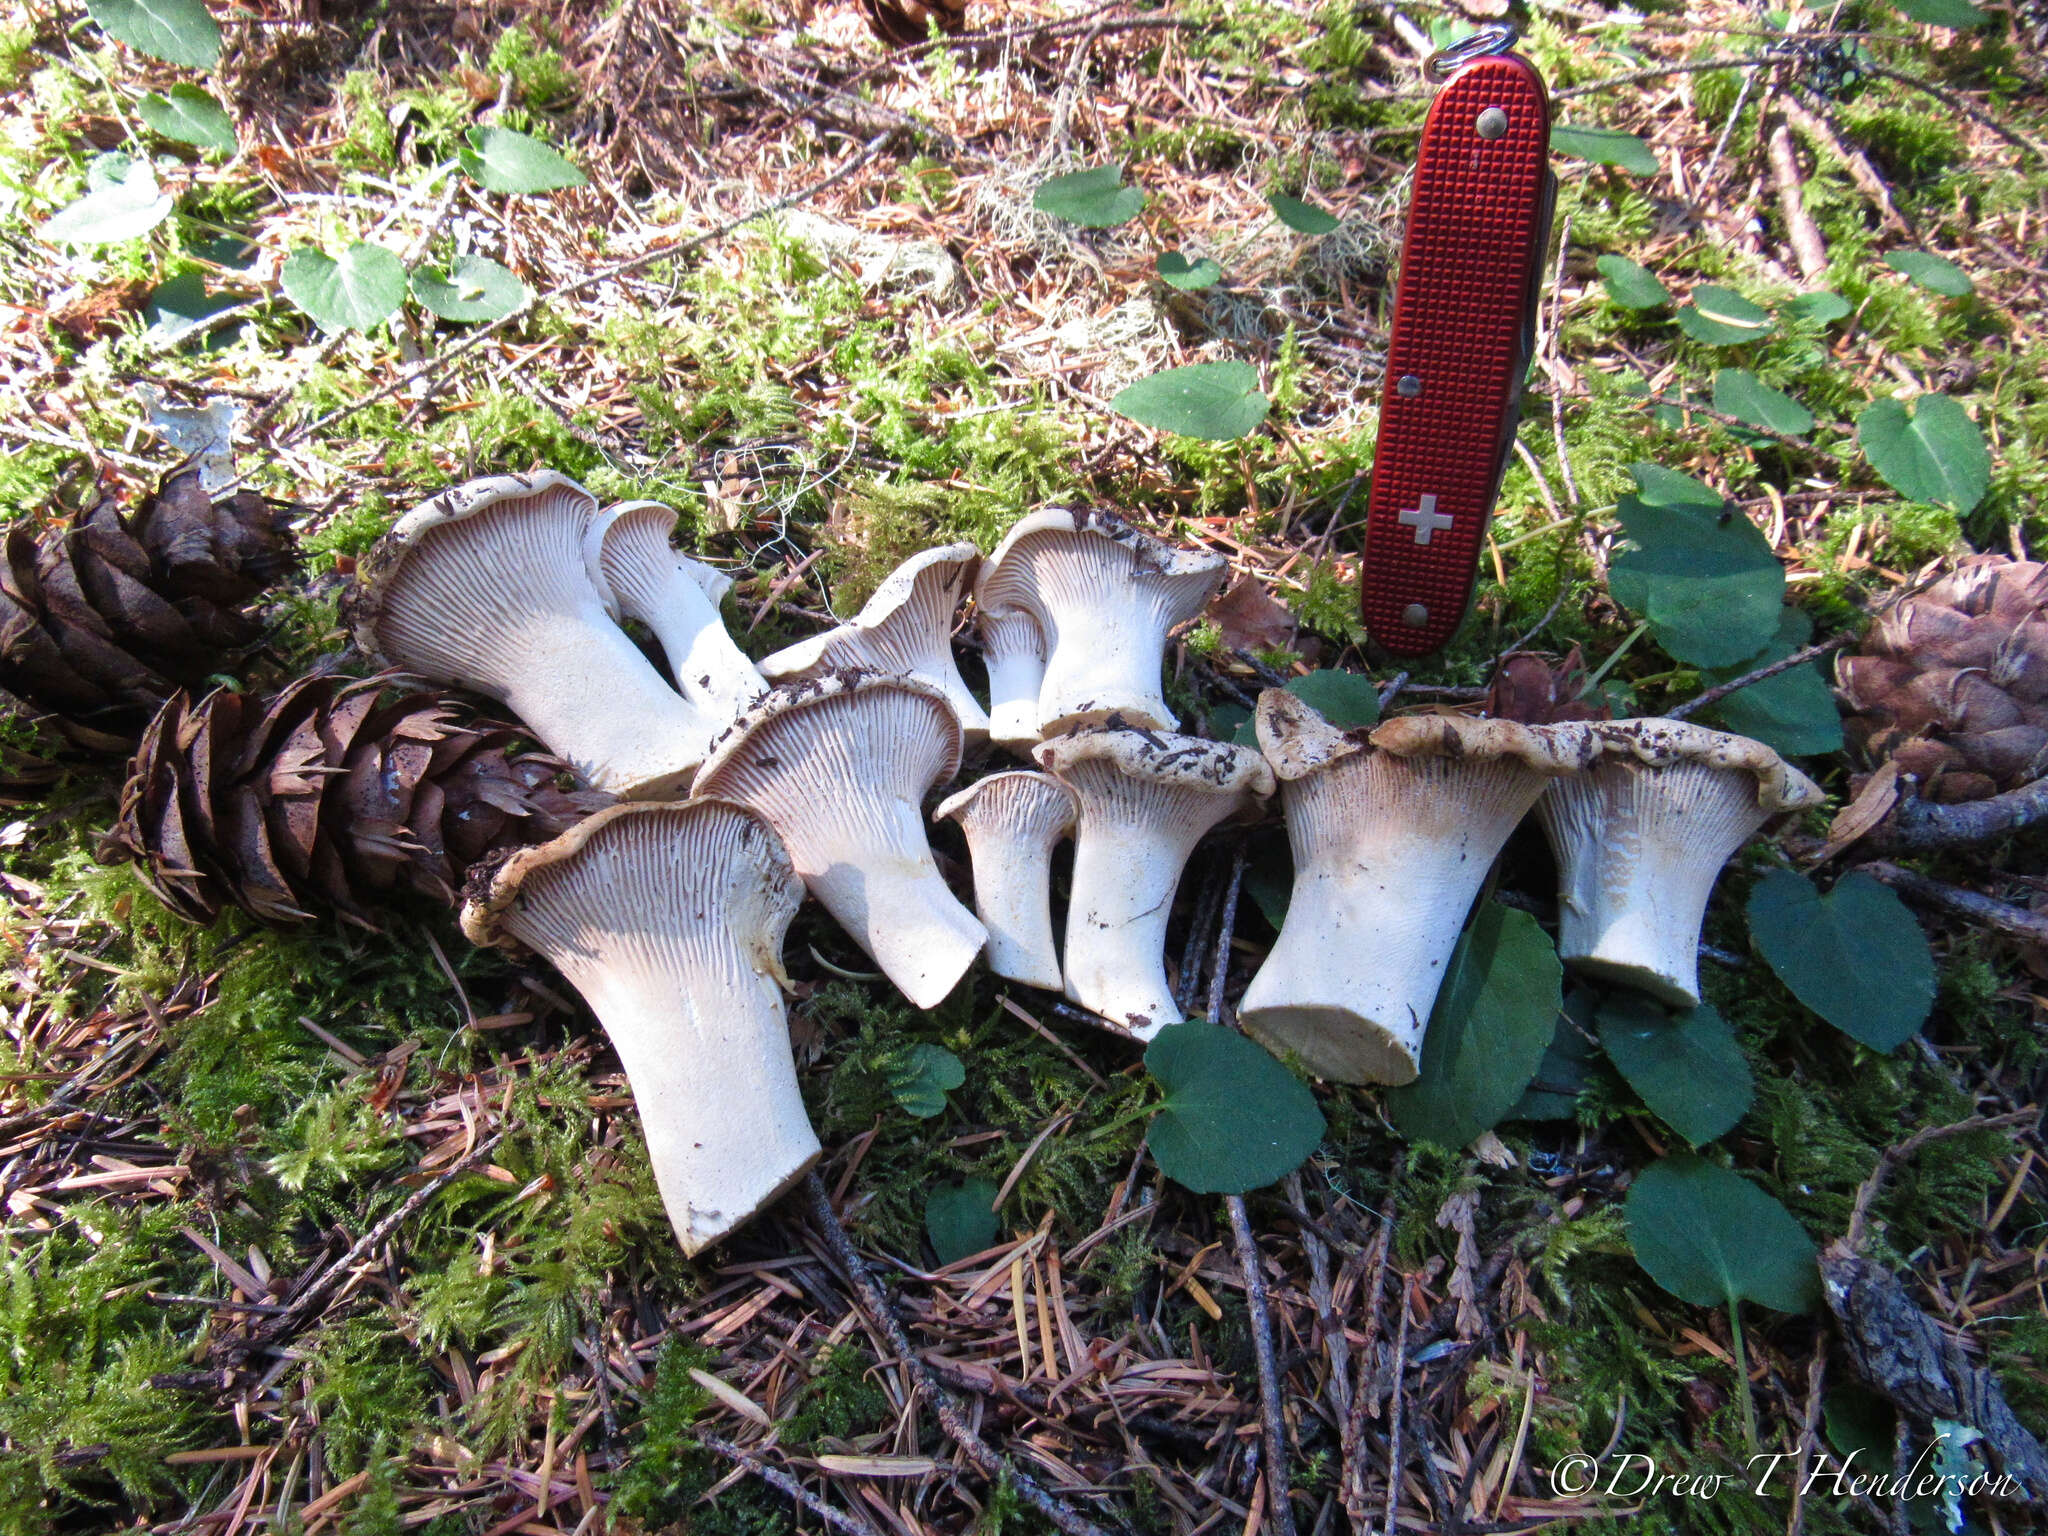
(877, 879)
(1014, 651)
(1013, 821)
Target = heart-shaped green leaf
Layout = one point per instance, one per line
(1347, 700)
(125, 204)
(500, 160)
(176, 31)
(1821, 307)
(1855, 956)
(1660, 487)
(181, 305)
(1741, 394)
(921, 1075)
(1234, 1118)
(1218, 401)
(1935, 273)
(1955, 14)
(361, 288)
(1095, 198)
(1605, 146)
(474, 288)
(1705, 579)
(1722, 317)
(960, 1219)
(1932, 452)
(1710, 1237)
(189, 115)
(1178, 272)
(1630, 285)
(1687, 1067)
(1494, 1018)
(1792, 712)
(1302, 218)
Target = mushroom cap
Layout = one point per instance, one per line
(1161, 757)
(892, 600)
(738, 746)
(1660, 743)
(398, 551)
(625, 515)
(1001, 580)
(1016, 797)
(498, 885)
(1298, 741)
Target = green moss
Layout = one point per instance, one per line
(544, 78)
(370, 1389)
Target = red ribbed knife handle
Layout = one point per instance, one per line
(1464, 312)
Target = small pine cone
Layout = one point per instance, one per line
(905, 23)
(1953, 684)
(1542, 690)
(331, 793)
(103, 619)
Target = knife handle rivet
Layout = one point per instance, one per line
(1491, 123)
(1408, 387)
(1415, 615)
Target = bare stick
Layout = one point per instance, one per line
(788, 1486)
(1272, 1426)
(1916, 826)
(1801, 233)
(1400, 1397)
(993, 1465)
(1784, 664)
(1893, 1155)
(1973, 906)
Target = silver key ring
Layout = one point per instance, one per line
(1488, 40)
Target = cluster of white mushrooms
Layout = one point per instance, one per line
(746, 785)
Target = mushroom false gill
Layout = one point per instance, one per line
(839, 765)
(484, 586)
(1013, 821)
(628, 557)
(1146, 799)
(1641, 836)
(1393, 831)
(669, 920)
(1105, 598)
(905, 629)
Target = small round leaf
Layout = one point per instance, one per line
(1234, 1118)
(1741, 394)
(1347, 700)
(1095, 198)
(921, 1075)
(960, 1219)
(1722, 317)
(1706, 579)
(1178, 272)
(1687, 1067)
(500, 160)
(1605, 146)
(190, 116)
(474, 288)
(1935, 273)
(1930, 452)
(176, 31)
(1710, 1237)
(125, 203)
(1630, 285)
(1820, 307)
(1218, 401)
(1302, 218)
(1954, 14)
(1855, 956)
(361, 288)
(1791, 712)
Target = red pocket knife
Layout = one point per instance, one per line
(1464, 323)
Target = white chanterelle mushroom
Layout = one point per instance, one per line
(484, 587)
(906, 628)
(1146, 799)
(839, 766)
(1013, 821)
(1013, 648)
(1393, 831)
(669, 920)
(627, 554)
(1641, 836)
(1105, 597)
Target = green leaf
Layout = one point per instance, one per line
(1936, 273)
(499, 160)
(1943, 13)
(1347, 700)
(190, 116)
(1722, 317)
(1741, 394)
(1605, 146)
(1687, 1067)
(1095, 198)
(1302, 218)
(180, 305)
(1661, 487)
(125, 204)
(176, 31)
(921, 1075)
(1566, 1067)
(1855, 956)
(1792, 713)
(1234, 1118)
(1179, 272)
(1932, 452)
(1821, 307)
(1217, 401)
(361, 288)
(1269, 873)
(960, 1219)
(1630, 285)
(1494, 1018)
(1710, 1237)
(474, 288)
(1705, 579)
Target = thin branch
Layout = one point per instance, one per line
(788, 1486)
(1972, 906)
(1783, 664)
(1897, 1153)
(1919, 826)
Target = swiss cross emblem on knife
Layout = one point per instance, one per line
(1464, 324)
